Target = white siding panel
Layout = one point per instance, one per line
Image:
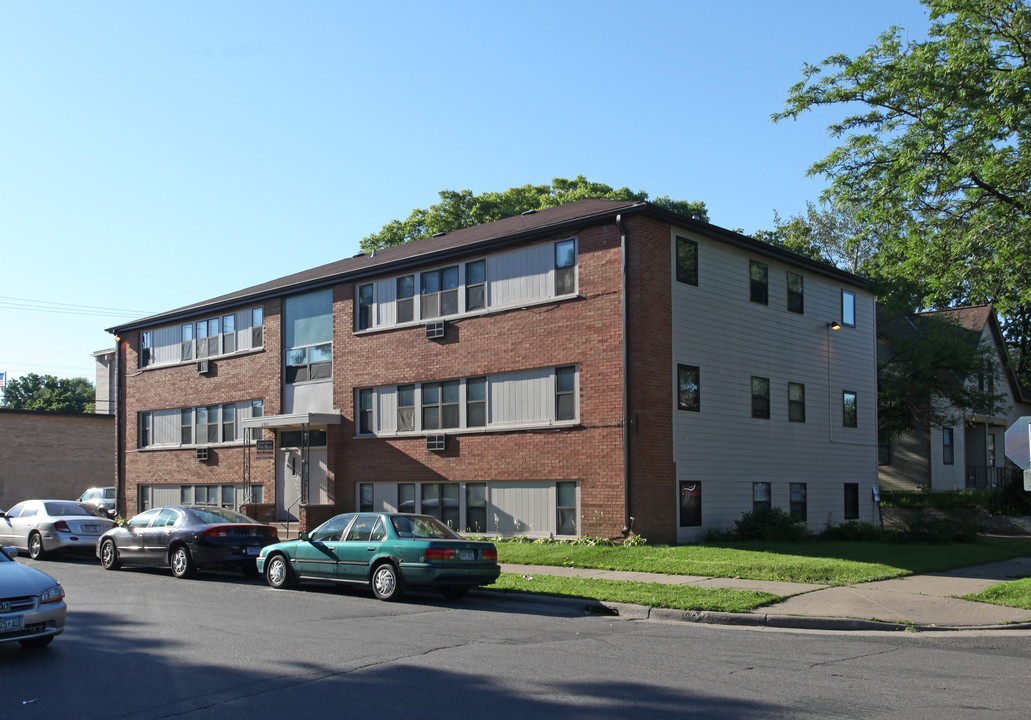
(167, 427)
(318, 476)
(166, 345)
(521, 508)
(520, 397)
(164, 495)
(384, 309)
(243, 330)
(520, 276)
(386, 410)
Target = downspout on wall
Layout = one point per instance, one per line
(120, 501)
(626, 379)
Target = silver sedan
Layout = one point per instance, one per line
(32, 609)
(42, 526)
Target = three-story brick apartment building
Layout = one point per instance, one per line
(591, 369)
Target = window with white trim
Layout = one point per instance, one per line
(308, 323)
(228, 334)
(848, 308)
(202, 425)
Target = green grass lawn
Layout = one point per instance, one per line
(1012, 594)
(827, 563)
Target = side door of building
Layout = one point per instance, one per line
(360, 547)
(317, 556)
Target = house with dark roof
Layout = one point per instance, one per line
(966, 450)
(594, 369)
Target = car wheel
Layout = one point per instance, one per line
(109, 555)
(182, 562)
(278, 572)
(386, 582)
(37, 642)
(36, 551)
(454, 593)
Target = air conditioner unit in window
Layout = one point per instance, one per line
(202, 453)
(204, 367)
(436, 443)
(435, 330)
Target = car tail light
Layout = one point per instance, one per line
(489, 554)
(219, 531)
(437, 553)
(62, 526)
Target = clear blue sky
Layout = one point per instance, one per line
(153, 155)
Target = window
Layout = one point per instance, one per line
(688, 389)
(309, 363)
(850, 411)
(799, 502)
(762, 495)
(760, 397)
(796, 297)
(365, 307)
(475, 285)
(145, 429)
(440, 405)
(476, 507)
(759, 282)
(439, 292)
(990, 450)
(257, 409)
(690, 504)
(565, 267)
(186, 426)
(948, 446)
(440, 500)
(365, 497)
(565, 393)
(565, 493)
(405, 408)
(146, 348)
(476, 402)
(229, 334)
(851, 501)
(207, 338)
(207, 424)
(405, 303)
(365, 425)
(228, 423)
(848, 308)
(257, 330)
(406, 497)
(796, 402)
(186, 343)
(687, 261)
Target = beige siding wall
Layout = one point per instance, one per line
(50, 455)
(718, 329)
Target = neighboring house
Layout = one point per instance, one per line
(53, 455)
(104, 388)
(971, 452)
(592, 369)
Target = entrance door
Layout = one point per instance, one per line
(288, 484)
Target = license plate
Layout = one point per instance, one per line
(252, 550)
(466, 555)
(14, 622)
(92, 529)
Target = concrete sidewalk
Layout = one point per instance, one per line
(925, 602)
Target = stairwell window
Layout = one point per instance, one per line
(848, 308)
(687, 261)
(849, 409)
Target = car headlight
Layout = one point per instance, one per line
(52, 594)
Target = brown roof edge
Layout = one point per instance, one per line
(500, 233)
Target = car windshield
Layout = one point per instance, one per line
(422, 527)
(58, 509)
(216, 516)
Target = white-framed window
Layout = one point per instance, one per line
(202, 425)
(308, 336)
(848, 308)
(526, 398)
(517, 278)
(208, 337)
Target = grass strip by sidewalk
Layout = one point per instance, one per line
(826, 563)
(679, 597)
(1016, 594)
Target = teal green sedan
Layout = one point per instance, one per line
(388, 552)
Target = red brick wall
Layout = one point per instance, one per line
(585, 332)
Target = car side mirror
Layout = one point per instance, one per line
(304, 536)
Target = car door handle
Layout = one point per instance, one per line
(371, 548)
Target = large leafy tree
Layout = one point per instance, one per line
(461, 208)
(46, 392)
(936, 154)
(829, 232)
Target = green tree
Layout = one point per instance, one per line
(46, 392)
(829, 232)
(936, 154)
(461, 208)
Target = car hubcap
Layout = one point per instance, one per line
(179, 561)
(276, 572)
(34, 544)
(384, 582)
(107, 553)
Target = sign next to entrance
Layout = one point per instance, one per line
(266, 449)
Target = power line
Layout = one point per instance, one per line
(13, 303)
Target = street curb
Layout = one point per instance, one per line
(627, 611)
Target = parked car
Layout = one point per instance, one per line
(40, 527)
(185, 538)
(102, 498)
(32, 609)
(387, 552)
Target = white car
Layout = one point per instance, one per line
(43, 526)
(32, 609)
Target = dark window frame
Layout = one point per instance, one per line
(686, 260)
(689, 388)
(759, 282)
